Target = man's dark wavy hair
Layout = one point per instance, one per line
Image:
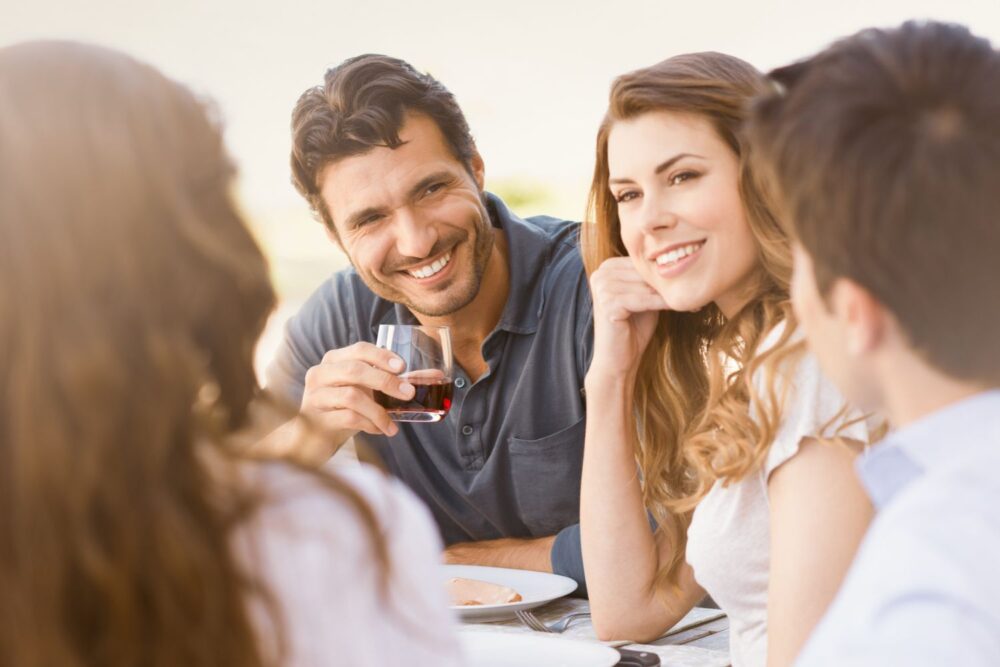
(362, 105)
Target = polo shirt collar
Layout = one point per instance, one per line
(947, 435)
(526, 250)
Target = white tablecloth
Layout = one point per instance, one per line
(671, 656)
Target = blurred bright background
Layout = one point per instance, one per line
(531, 75)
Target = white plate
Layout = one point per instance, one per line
(536, 588)
(503, 649)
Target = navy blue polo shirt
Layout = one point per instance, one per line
(506, 460)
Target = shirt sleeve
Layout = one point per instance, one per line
(567, 557)
(811, 409)
(585, 326)
(326, 321)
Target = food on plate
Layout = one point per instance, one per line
(471, 592)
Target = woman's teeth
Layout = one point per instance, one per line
(677, 254)
(432, 268)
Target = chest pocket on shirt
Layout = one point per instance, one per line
(545, 474)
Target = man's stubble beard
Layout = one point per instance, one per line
(481, 250)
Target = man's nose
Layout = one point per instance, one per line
(415, 235)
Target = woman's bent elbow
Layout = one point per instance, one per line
(623, 629)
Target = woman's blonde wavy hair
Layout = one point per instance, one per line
(693, 422)
(132, 295)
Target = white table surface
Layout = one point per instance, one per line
(671, 655)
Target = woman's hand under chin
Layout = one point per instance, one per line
(626, 310)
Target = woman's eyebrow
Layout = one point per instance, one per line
(660, 168)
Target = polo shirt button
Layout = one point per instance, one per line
(459, 382)
(466, 430)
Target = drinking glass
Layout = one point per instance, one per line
(426, 353)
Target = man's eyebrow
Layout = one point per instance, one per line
(354, 219)
(429, 180)
(358, 216)
(660, 168)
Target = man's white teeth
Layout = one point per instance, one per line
(432, 268)
(677, 254)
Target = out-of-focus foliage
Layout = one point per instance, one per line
(524, 197)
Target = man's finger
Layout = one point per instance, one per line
(355, 373)
(348, 419)
(351, 407)
(378, 357)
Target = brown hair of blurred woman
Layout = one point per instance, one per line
(131, 298)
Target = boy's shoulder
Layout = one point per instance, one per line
(943, 530)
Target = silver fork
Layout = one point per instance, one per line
(536, 624)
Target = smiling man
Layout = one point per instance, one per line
(385, 157)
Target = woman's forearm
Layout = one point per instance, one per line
(620, 554)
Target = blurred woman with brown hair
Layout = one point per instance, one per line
(699, 372)
(131, 298)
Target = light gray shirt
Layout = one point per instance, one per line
(924, 588)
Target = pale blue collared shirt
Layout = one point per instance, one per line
(924, 588)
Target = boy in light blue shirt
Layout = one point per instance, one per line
(884, 150)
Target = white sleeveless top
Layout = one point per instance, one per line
(729, 536)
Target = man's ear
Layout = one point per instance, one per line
(478, 170)
(863, 317)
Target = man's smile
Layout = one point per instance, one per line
(431, 268)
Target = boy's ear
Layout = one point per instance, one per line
(863, 317)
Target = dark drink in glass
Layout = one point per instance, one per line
(430, 402)
(427, 359)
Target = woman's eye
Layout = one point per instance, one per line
(627, 195)
(677, 179)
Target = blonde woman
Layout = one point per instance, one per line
(699, 373)
(132, 293)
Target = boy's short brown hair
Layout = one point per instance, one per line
(884, 150)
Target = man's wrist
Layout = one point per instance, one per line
(522, 554)
(301, 440)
